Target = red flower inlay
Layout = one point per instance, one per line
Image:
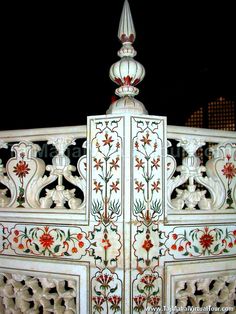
(206, 240)
(79, 236)
(114, 186)
(234, 232)
(20, 246)
(106, 243)
(148, 280)
(155, 162)
(173, 246)
(140, 163)
(146, 140)
(98, 186)
(46, 240)
(104, 280)
(81, 244)
(147, 245)
(21, 169)
(115, 299)
(98, 300)
(139, 300)
(139, 186)
(154, 301)
(174, 236)
(180, 248)
(229, 170)
(98, 163)
(155, 186)
(114, 163)
(108, 140)
(17, 232)
(74, 250)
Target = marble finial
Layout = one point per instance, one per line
(127, 72)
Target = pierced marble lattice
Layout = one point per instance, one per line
(218, 292)
(27, 295)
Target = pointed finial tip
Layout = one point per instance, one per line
(126, 32)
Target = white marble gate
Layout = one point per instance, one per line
(124, 215)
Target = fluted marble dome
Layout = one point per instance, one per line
(127, 72)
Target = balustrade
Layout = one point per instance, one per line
(195, 185)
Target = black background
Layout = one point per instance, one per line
(56, 59)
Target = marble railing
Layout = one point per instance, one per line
(201, 169)
(201, 173)
(116, 211)
(43, 170)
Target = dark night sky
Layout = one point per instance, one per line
(56, 59)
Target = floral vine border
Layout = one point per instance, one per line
(107, 211)
(148, 189)
(185, 242)
(21, 170)
(229, 172)
(48, 241)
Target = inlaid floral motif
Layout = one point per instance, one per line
(106, 172)
(107, 295)
(106, 208)
(229, 171)
(21, 170)
(48, 241)
(199, 242)
(148, 205)
(106, 246)
(147, 291)
(147, 174)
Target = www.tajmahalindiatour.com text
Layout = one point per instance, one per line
(176, 309)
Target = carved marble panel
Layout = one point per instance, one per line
(208, 287)
(29, 286)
